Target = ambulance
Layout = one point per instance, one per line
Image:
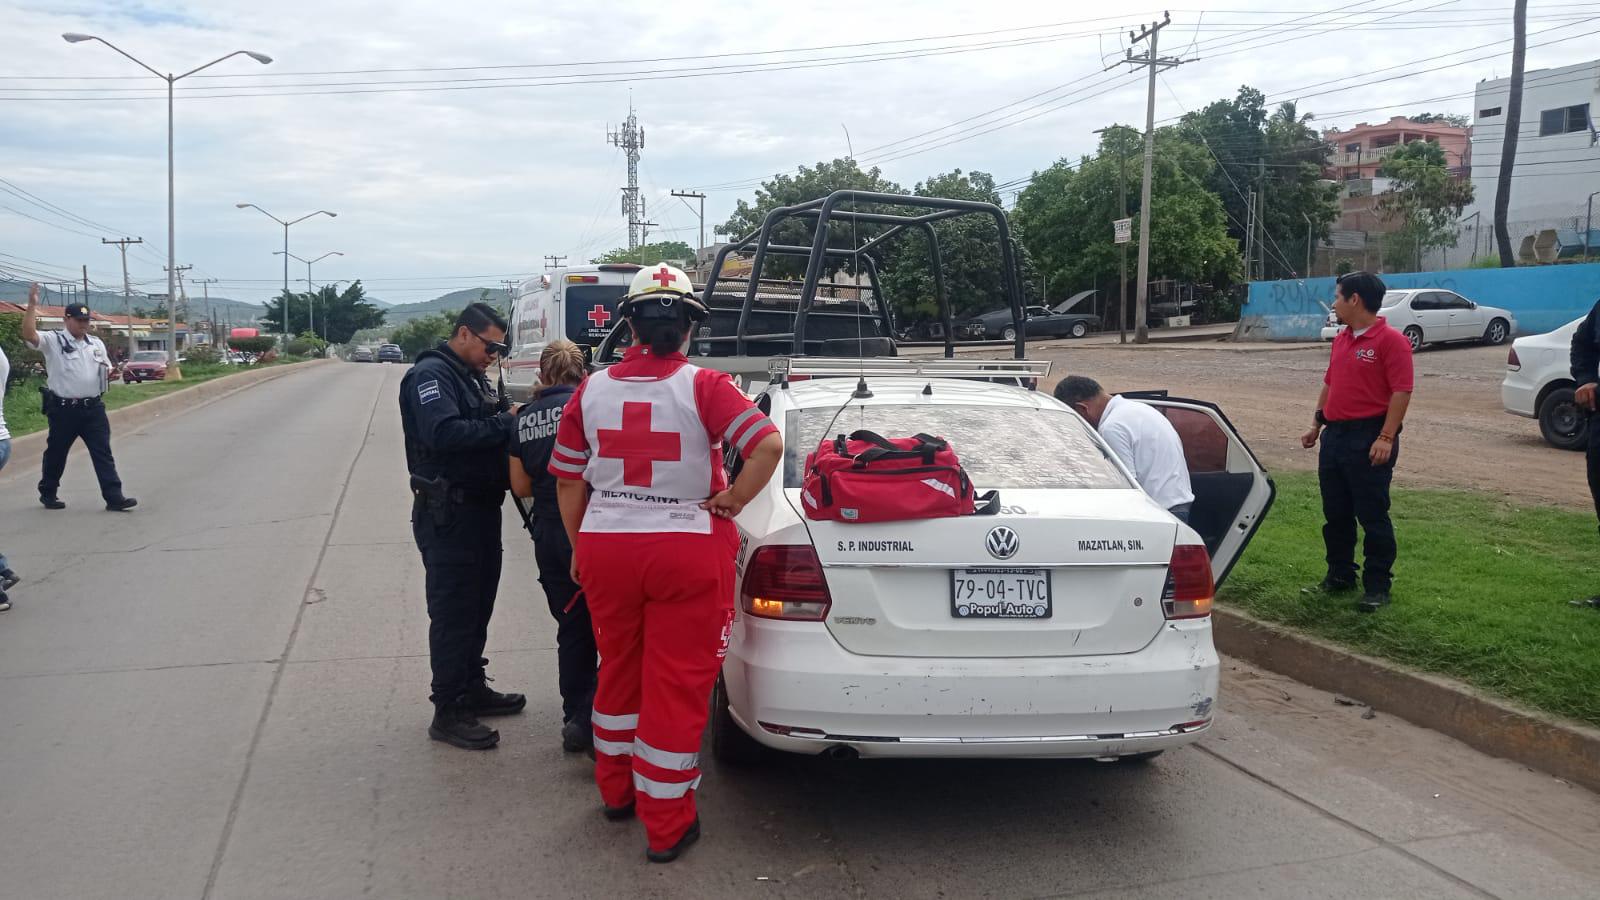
(578, 303)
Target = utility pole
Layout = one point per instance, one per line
(173, 306)
(1261, 219)
(127, 288)
(644, 229)
(554, 262)
(686, 196)
(211, 321)
(1250, 239)
(630, 137)
(1155, 63)
(511, 295)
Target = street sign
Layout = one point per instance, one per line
(1124, 230)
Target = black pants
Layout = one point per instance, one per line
(460, 546)
(1594, 462)
(1354, 490)
(67, 425)
(576, 655)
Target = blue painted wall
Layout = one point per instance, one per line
(1543, 298)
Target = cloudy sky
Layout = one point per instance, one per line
(460, 143)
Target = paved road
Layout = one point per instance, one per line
(223, 695)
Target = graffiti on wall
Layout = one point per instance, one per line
(1543, 298)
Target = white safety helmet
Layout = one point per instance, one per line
(664, 285)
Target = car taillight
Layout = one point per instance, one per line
(1189, 586)
(1512, 362)
(786, 582)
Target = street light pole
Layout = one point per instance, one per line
(173, 371)
(311, 299)
(321, 212)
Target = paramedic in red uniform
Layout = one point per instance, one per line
(1365, 395)
(646, 502)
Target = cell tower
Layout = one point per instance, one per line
(630, 137)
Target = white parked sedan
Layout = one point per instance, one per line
(1539, 385)
(1438, 317)
(862, 639)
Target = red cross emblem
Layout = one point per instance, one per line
(663, 277)
(599, 316)
(638, 447)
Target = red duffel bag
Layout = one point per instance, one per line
(870, 478)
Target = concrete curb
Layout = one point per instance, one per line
(1565, 749)
(29, 449)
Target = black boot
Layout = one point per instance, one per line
(455, 724)
(676, 850)
(483, 700)
(123, 505)
(577, 737)
(50, 502)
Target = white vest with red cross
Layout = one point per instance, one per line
(650, 461)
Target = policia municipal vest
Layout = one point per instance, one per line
(480, 470)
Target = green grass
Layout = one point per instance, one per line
(1481, 592)
(22, 401)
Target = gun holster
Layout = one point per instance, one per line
(435, 494)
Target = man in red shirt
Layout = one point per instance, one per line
(1365, 394)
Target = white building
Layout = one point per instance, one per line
(1558, 157)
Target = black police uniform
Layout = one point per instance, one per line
(456, 437)
(1586, 370)
(576, 656)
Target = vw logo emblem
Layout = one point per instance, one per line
(1002, 543)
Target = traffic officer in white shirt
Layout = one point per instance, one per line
(79, 371)
(1140, 436)
(8, 578)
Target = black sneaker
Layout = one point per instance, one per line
(123, 505)
(5, 602)
(8, 580)
(1330, 586)
(483, 700)
(52, 503)
(576, 737)
(457, 726)
(676, 850)
(1373, 601)
(617, 813)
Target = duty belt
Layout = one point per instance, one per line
(75, 402)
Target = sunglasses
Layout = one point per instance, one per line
(495, 348)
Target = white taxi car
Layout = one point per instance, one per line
(1437, 317)
(865, 640)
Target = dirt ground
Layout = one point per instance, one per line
(1456, 435)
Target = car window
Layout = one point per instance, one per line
(1038, 311)
(1059, 451)
(150, 356)
(1453, 301)
(1393, 299)
(1425, 302)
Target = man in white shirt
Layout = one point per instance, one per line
(1140, 436)
(78, 372)
(8, 578)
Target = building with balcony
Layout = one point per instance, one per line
(1359, 152)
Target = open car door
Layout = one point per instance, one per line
(1232, 491)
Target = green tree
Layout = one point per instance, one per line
(424, 332)
(805, 185)
(969, 245)
(1065, 215)
(1425, 198)
(339, 314)
(1279, 153)
(1456, 120)
(650, 254)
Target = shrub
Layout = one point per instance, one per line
(300, 347)
(257, 345)
(202, 355)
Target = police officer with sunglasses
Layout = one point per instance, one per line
(457, 430)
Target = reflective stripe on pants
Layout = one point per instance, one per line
(660, 623)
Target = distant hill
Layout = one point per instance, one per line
(225, 309)
(453, 302)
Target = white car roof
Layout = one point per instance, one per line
(833, 392)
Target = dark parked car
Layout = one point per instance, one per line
(391, 353)
(361, 354)
(1041, 323)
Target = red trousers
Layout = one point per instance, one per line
(662, 606)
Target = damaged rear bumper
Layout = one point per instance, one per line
(792, 687)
